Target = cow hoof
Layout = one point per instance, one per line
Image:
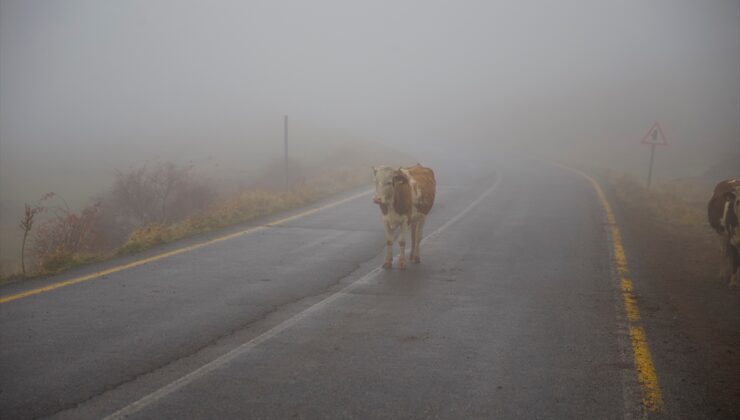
(416, 260)
(387, 265)
(402, 265)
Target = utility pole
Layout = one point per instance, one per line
(287, 169)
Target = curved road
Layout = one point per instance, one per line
(515, 312)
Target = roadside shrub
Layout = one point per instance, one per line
(161, 203)
(147, 237)
(161, 193)
(113, 226)
(67, 239)
(62, 259)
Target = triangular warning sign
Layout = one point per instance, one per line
(655, 136)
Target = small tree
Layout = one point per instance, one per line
(26, 225)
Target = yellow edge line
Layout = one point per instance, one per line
(97, 274)
(652, 398)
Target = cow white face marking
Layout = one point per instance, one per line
(383, 184)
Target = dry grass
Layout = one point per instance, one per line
(245, 206)
(680, 205)
(61, 260)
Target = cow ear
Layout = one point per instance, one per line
(398, 179)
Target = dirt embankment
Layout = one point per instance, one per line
(692, 317)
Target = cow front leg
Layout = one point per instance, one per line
(389, 246)
(402, 245)
(388, 263)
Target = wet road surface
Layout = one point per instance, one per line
(514, 313)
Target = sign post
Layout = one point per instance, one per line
(654, 137)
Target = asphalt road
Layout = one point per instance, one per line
(515, 312)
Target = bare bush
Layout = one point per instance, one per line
(133, 198)
(62, 240)
(159, 194)
(112, 225)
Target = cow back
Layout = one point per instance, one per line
(724, 194)
(726, 186)
(426, 186)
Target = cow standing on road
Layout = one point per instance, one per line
(405, 196)
(723, 212)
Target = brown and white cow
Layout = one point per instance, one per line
(405, 196)
(723, 212)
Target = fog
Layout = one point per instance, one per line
(89, 86)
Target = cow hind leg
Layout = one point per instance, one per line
(419, 228)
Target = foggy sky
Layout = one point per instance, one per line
(86, 86)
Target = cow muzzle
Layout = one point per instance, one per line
(376, 200)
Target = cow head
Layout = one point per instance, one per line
(386, 178)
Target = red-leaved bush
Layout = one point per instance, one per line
(67, 238)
